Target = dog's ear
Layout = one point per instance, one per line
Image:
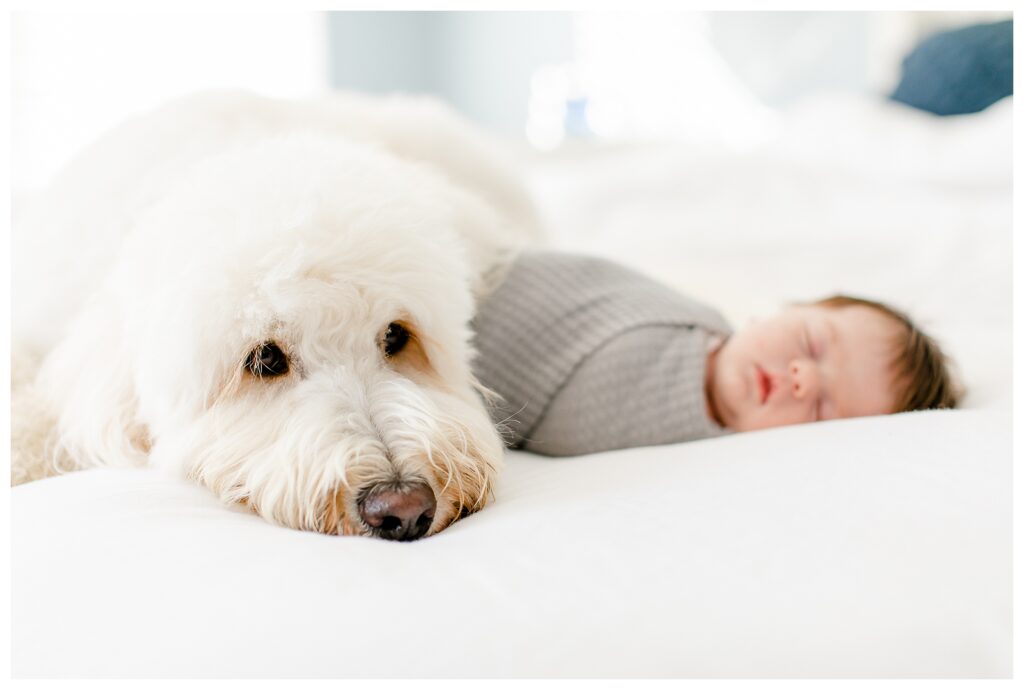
(490, 241)
(86, 382)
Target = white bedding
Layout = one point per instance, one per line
(856, 548)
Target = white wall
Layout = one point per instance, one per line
(75, 75)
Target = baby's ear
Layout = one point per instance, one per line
(86, 381)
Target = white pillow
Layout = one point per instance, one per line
(876, 547)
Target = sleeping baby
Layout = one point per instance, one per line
(584, 355)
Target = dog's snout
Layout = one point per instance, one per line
(400, 514)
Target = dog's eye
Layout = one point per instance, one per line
(395, 338)
(267, 360)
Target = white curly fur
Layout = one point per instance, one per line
(187, 237)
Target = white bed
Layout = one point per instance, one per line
(877, 547)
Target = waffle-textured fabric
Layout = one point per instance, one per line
(587, 355)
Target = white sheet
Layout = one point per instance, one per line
(859, 548)
(856, 548)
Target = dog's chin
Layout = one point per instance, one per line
(341, 514)
(458, 485)
(341, 517)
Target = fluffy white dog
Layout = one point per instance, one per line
(272, 298)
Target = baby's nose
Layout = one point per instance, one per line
(802, 377)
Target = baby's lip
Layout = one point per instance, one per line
(764, 384)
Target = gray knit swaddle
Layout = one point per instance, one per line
(587, 356)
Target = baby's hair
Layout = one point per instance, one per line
(920, 365)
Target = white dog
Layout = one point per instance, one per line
(272, 298)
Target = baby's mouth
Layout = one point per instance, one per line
(764, 384)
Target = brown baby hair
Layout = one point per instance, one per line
(922, 370)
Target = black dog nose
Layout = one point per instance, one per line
(398, 514)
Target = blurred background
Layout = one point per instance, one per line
(547, 78)
(749, 159)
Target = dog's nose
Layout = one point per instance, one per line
(401, 515)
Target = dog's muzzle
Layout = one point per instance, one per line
(398, 513)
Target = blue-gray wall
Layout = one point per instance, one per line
(481, 62)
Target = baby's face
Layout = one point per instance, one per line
(805, 364)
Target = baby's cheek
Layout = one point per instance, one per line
(767, 418)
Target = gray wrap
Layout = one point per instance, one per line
(587, 355)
